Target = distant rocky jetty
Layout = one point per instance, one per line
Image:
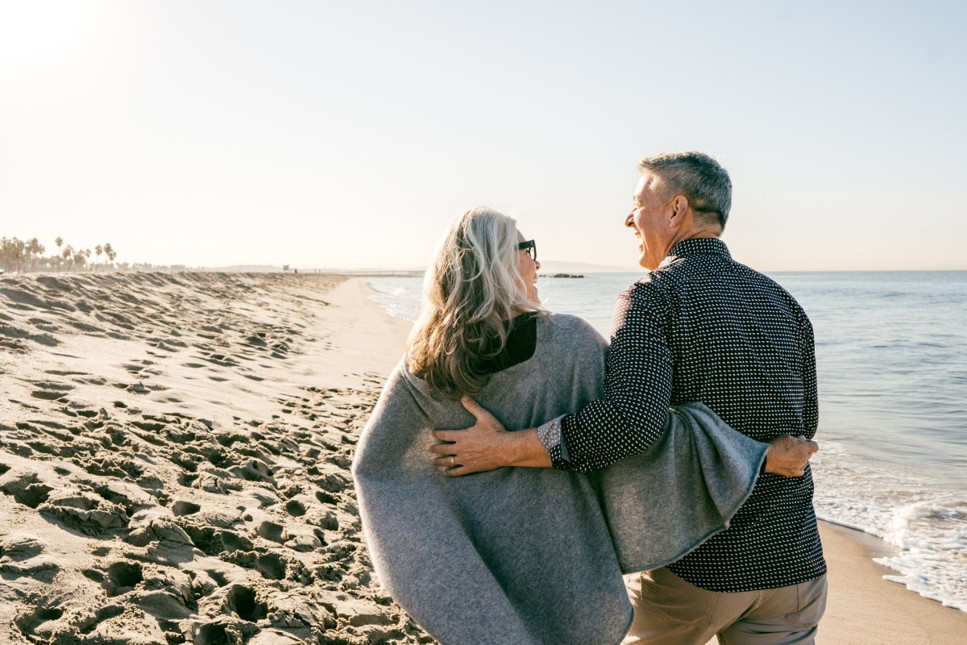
(562, 275)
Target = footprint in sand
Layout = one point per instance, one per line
(31, 619)
(27, 490)
(50, 391)
(182, 507)
(84, 513)
(122, 577)
(244, 603)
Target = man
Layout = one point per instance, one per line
(698, 327)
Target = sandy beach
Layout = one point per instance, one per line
(174, 468)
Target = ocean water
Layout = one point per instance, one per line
(891, 355)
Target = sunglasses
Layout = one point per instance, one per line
(531, 247)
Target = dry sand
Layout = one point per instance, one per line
(174, 459)
(174, 468)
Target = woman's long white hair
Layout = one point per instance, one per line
(472, 286)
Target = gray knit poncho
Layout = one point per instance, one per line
(535, 555)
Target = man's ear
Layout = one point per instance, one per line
(679, 208)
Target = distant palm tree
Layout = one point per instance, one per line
(12, 253)
(34, 250)
(68, 255)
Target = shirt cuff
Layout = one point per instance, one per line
(551, 438)
(550, 433)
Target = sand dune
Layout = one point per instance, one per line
(174, 455)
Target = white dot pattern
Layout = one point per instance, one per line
(702, 327)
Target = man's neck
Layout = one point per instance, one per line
(704, 235)
(689, 233)
(695, 234)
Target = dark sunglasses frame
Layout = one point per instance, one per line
(531, 247)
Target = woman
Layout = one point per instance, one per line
(514, 555)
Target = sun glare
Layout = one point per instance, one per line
(40, 32)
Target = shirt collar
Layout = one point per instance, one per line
(697, 246)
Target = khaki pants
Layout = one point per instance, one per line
(670, 611)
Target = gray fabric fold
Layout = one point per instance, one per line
(664, 502)
(526, 555)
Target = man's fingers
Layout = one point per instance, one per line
(448, 436)
(789, 455)
(805, 449)
(486, 422)
(480, 413)
(473, 407)
(813, 446)
(441, 448)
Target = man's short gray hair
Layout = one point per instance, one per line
(698, 177)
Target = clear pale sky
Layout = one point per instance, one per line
(335, 134)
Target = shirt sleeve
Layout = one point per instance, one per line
(810, 411)
(637, 389)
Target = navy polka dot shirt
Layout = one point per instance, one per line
(702, 327)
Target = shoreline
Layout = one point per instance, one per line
(865, 609)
